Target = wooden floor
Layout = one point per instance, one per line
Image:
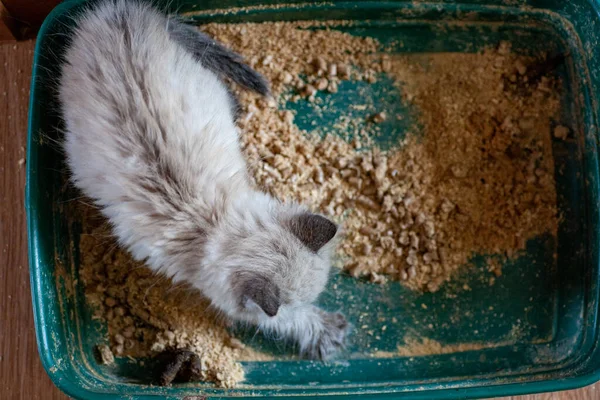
(21, 373)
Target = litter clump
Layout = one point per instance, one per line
(105, 355)
(180, 365)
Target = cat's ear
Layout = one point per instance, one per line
(315, 231)
(260, 290)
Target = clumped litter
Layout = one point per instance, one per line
(179, 365)
(475, 174)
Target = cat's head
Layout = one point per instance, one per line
(272, 255)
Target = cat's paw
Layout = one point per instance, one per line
(330, 339)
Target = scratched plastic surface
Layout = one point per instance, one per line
(534, 330)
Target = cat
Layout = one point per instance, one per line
(151, 138)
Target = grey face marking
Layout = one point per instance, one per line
(313, 230)
(259, 289)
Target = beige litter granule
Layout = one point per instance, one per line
(475, 176)
(105, 354)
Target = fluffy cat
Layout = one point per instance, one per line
(150, 137)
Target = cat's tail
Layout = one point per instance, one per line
(216, 57)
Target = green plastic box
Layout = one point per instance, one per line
(551, 302)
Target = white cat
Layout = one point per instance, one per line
(150, 136)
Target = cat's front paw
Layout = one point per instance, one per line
(330, 339)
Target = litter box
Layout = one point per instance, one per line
(536, 329)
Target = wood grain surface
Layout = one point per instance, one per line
(7, 25)
(21, 373)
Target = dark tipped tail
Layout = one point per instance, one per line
(217, 58)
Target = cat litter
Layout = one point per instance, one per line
(473, 182)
